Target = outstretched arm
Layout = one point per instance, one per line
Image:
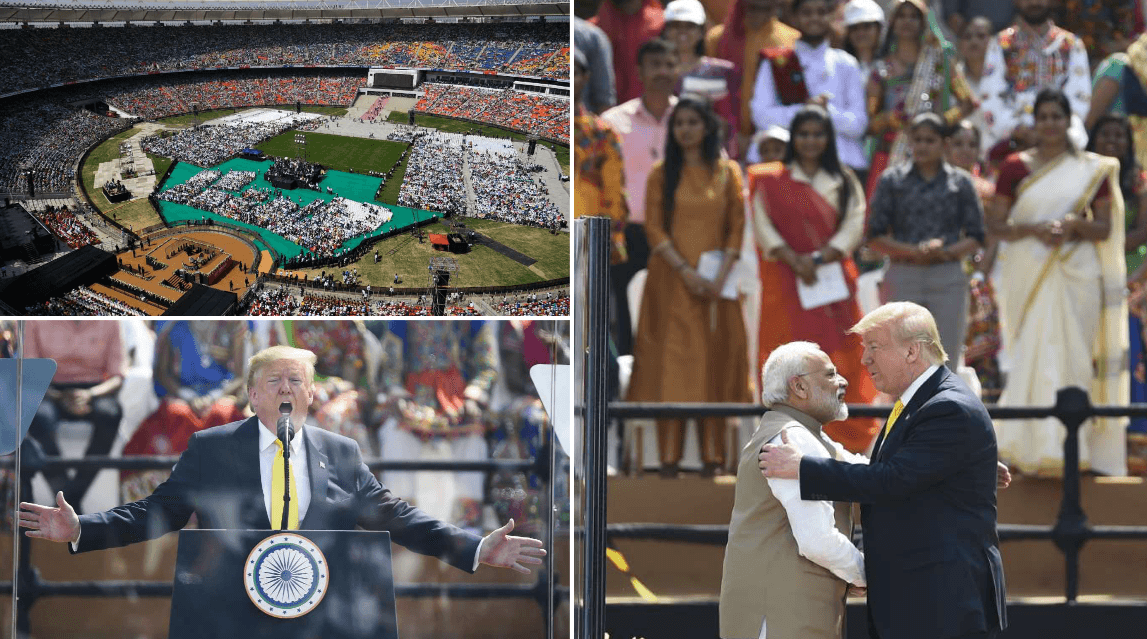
(502, 550)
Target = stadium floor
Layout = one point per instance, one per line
(360, 188)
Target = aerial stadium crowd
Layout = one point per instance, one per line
(272, 300)
(535, 304)
(47, 139)
(208, 145)
(433, 173)
(504, 190)
(983, 159)
(321, 227)
(64, 224)
(33, 58)
(160, 97)
(544, 116)
(82, 301)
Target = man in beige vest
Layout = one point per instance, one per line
(789, 563)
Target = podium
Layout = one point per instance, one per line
(296, 584)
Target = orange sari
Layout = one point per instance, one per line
(806, 222)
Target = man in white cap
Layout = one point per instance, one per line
(812, 72)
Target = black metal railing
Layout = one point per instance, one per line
(1070, 531)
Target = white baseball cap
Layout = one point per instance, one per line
(685, 11)
(862, 11)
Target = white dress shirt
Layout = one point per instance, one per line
(906, 396)
(814, 522)
(827, 71)
(267, 452)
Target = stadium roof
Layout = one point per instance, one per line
(229, 10)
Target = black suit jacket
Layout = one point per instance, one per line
(217, 478)
(928, 508)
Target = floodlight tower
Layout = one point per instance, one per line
(301, 146)
(439, 272)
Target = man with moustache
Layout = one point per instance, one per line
(226, 477)
(641, 125)
(813, 72)
(1028, 56)
(928, 495)
(789, 562)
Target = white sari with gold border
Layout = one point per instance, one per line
(1063, 313)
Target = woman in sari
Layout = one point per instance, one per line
(690, 343)
(918, 72)
(809, 211)
(1061, 295)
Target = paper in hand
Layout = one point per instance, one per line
(830, 287)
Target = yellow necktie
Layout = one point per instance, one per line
(277, 494)
(896, 410)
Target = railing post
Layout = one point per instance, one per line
(1072, 407)
(595, 340)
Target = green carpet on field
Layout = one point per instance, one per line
(352, 186)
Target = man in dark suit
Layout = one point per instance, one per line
(226, 477)
(928, 495)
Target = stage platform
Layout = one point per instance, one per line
(1032, 568)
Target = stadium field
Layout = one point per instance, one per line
(482, 266)
(341, 153)
(107, 151)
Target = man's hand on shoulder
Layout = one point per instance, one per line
(54, 524)
(780, 461)
(503, 550)
(1003, 475)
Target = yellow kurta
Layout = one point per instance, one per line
(688, 348)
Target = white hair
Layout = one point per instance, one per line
(784, 363)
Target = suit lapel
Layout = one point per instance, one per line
(247, 445)
(904, 422)
(317, 469)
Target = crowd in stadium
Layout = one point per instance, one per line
(64, 224)
(321, 227)
(504, 190)
(541, 115)
(32, 58)
(434, 171)
(535, 304)
(47, 139)
(82, 301)
(272, 300)
(208, 145)
(974, 164)
(160, 97)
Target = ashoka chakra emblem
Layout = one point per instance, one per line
(286, 575)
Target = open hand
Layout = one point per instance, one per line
(54, 524)
(857, 591)
(780, 461)
(502, 550)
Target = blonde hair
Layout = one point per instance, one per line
(784, 363)
(909, 323)
(275, 353)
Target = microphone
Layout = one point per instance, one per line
(284, 428)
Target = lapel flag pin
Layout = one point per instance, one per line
(322, 464)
